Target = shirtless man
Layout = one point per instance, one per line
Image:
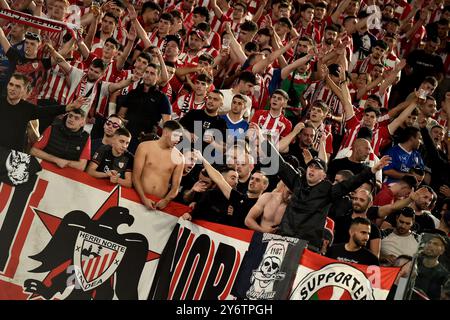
(158, 167)
(270, 207)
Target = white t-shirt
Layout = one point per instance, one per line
(397, 245)
(228, 98)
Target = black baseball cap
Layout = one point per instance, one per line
(318, 162)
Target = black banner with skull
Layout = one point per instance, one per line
(269, 267)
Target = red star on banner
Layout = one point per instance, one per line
(52, 223)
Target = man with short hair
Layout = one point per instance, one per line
(65, 143)
(236, 124)
(431, 274)
(241, 202)
(272, 121)
(245, 84)
(361, 202)
(212, 128)
(112, 161)
(396, 190)
(158, 167)
(312, 194)
(145, 106)
(194, 100)
(27, 63)
(400, 240)
(354, 250)
(405, 155)
(16, 113)
(111, 125)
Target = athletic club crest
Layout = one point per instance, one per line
(95, 259)
(87, 258)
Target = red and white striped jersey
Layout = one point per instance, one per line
(402, 9)
(126, 74)
(379, 135)
(112, 73)
(318, 90)
(311, 31)
(273, 126)
(364, 66)
(155, 40)
(56, 85)
(186, 103)
(320, 131)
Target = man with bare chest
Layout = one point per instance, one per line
(269, 210)
(158, 167)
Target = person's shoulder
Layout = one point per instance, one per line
(104, 148)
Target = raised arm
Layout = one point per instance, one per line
(286, 71)
(4, 41)
(261, 65)
(131, 37)
(286, 141)
(58, 59)
(235, 45)
(394, 125)
(215, 176)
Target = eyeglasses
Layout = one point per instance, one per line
(113, 124)
(32, 36)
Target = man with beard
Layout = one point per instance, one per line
(401, 240)
(421, 205)
(145, 106)
(269, 210)
(303, 148)
(113, 123)
(431, 274)
(377, 56)
(158, 167)
(312, 194)
(354, 250)
(206, 125)
(361, 202)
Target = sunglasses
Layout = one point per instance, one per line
(32, 36)
(113, 124)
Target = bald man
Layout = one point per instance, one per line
(358, 160)
(361, 202)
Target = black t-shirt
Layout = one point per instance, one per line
(212, 206)
(423, 65)
(296, 151)
(95, 144)
(106, 161)
(205, 122)
(187, 182)
(340, 207)
(14, 120)
(145, 109)
(431, 279)
(362, 256)
(342, 225)
(344, 164)
(241, 204)
(242, 187)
